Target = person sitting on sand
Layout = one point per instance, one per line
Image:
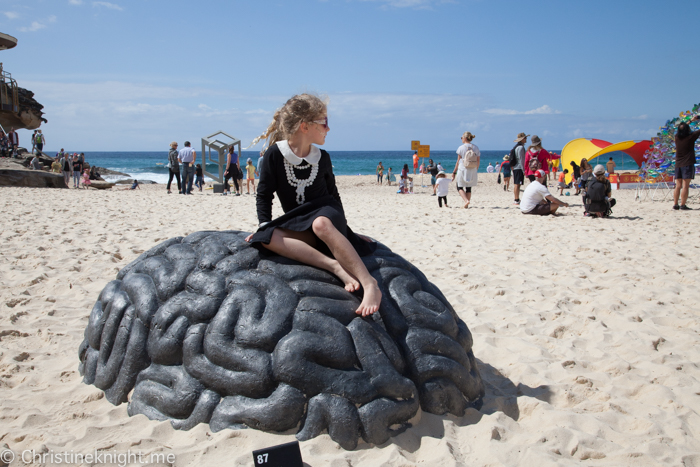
(313, 229)
(537, 199)
(597, 200)
(133, 186)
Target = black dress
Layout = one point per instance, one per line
(301, 206)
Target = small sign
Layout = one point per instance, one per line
(424, 150)
(283, 455)
(415, 145)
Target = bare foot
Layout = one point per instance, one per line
(370, 301)
(466, 206)
(351, 283)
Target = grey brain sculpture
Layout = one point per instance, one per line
(206, 330)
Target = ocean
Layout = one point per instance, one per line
(152, 165)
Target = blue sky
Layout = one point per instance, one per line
(134, 75)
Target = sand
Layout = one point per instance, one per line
(586, 330)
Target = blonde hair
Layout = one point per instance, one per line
(287, 119)
(173, 144)
(468, 136)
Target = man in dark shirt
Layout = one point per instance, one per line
(433, 170)
(685, 163)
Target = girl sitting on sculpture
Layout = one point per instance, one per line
(313, 229)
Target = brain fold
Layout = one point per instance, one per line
(206, 329)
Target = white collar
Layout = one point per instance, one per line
(313, 157)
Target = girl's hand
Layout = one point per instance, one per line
(247, 239)
(365, 238)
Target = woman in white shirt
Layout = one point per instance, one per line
(467, 167)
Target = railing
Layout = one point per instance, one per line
(9, 95)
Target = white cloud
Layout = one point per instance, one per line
(544, 110)
(35, 26)
(111, 6)
(75, 2)
(11, 15)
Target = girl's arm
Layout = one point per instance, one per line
(329, 176)
(454, 172)
(267, 185)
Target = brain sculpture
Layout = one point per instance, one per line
(206, 330)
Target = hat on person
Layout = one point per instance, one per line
(599, 170)
(506, 157)
(535, 140)
(521, 137)
(441, 172)
(539, 173)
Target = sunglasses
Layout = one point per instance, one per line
(323, 122)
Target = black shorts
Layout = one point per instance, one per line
(544, 209)
(466, 189)
(685, 173)
(518, 177)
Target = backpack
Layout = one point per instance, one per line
(534, 163)
(471, 160)
(596, 191)
(513, 158)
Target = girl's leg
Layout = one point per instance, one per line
(235, 183)
(684, 190)
(440, 201)
(253, 180)
(300, 246)
(349, 260)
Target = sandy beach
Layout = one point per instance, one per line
(585, 330)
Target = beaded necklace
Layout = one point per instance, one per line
(300, 185)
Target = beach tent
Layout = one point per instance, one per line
(591, 148)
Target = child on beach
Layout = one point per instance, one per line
(402, 186)
(388, 176)
(562, 181)
(442, 184)
(313, 229)
(250, 168)
(86, 178)
(410, 185)
(199, 177)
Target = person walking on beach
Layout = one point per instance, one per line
(233, 169)
(388, 176)
(77, 170)
(33, 141)
(537, 199)
(517, 158)
(67, 168)
(380, 173)
(56, 166)
(250, 170)
(575, 176)
(433, 171)
(685, 163)
(187, 158)
(442, 184)
(536, 158)
(467, 167)
(505, 167)
(313, 229)
(415, 162)
(173, 167)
